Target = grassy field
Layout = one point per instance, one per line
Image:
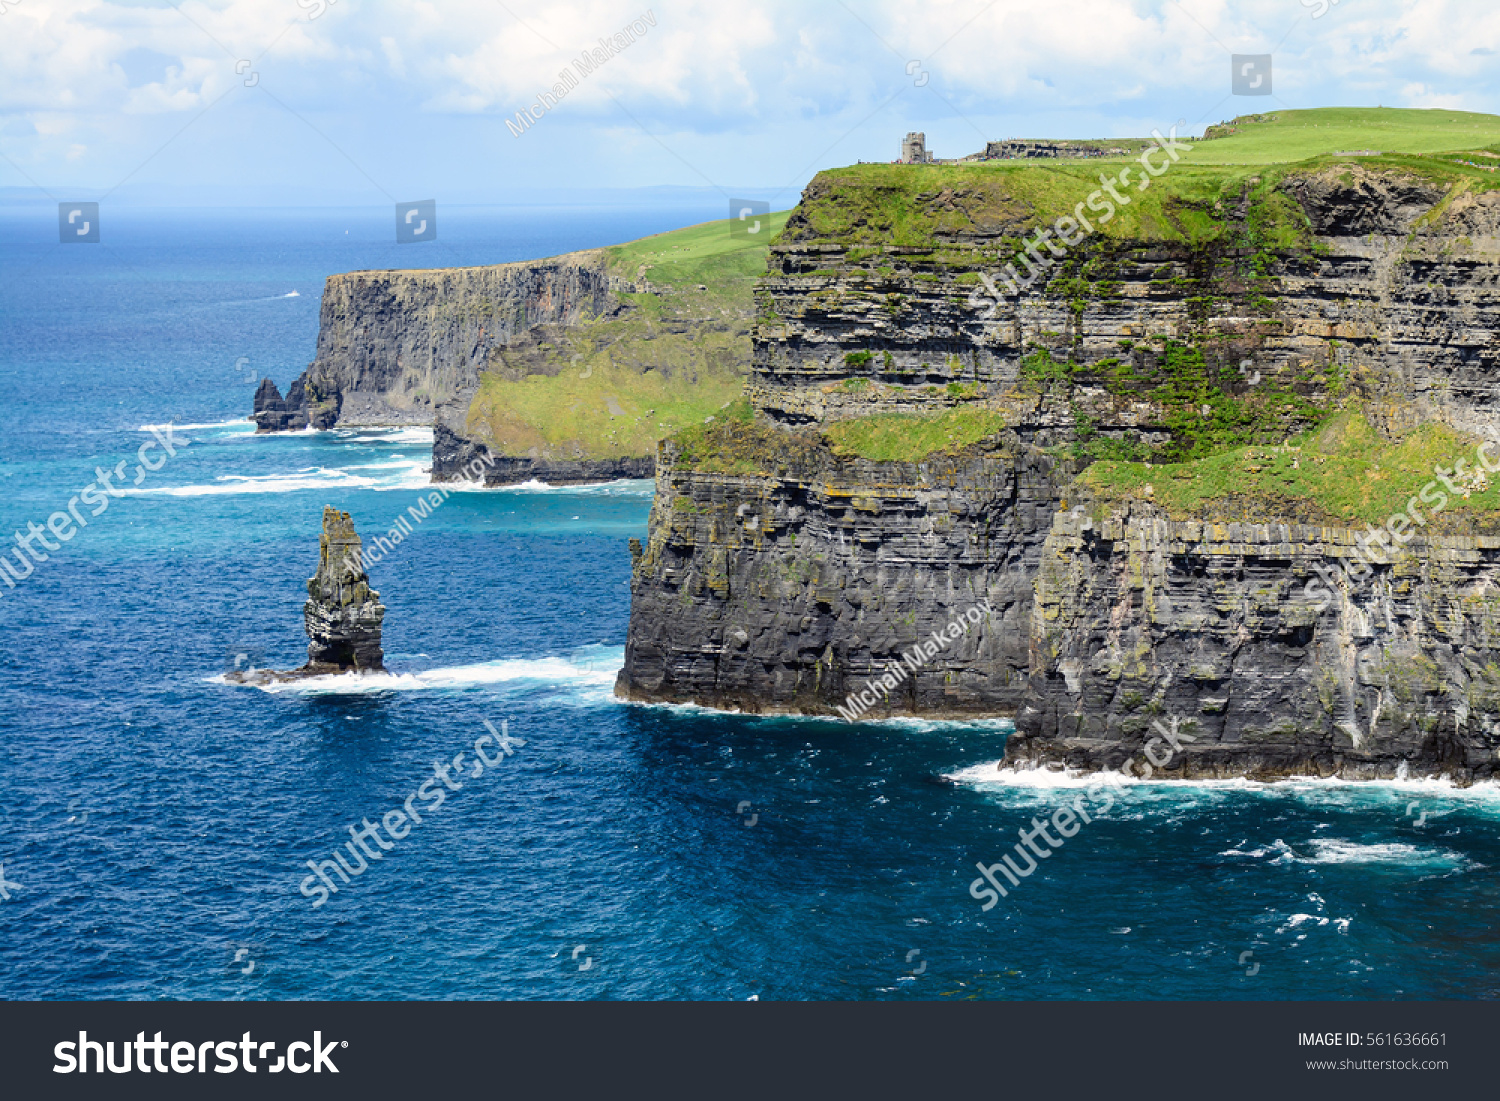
(908, 437)
(1341, 473)
(615, 412)
(1283, 137)
(698, 254)
(612, 387)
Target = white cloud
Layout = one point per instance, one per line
(393, 55)
(756, 90)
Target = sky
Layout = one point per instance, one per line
(348, 102)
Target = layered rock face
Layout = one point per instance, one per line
(452, 453)
(777, 578)
(793, 589)
(342, 614)
(1403, 299)
(1256, 643)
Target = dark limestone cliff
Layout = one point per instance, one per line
(916, 442)
(452, 453)
(1141, 618)
(790, 588)
(393, 346)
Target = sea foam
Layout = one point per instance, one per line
(589, 672)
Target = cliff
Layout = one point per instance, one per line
(394, 345)
(565, 370)
(784, 585)
(1255, 642)
(1125, 446)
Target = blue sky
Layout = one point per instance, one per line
(295, 102)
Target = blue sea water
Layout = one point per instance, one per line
(156, 822)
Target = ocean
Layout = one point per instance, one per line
(157, 823)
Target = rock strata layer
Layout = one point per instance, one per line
(1272, 650)
(454, 458)
(790, 591)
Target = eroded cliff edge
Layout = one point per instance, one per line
(565, 370)
(1142, 464)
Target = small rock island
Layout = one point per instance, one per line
(342, 614)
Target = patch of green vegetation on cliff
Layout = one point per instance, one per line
(908, 437)
(615, 412)
(669, 358)
(736, 443)
(1205, 416)
(1207, 408)
(1342, 473)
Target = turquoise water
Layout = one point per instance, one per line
(156, 823)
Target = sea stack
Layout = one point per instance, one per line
(343, 614)
(273, 413)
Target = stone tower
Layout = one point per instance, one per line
(914, 149)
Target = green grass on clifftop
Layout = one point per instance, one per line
(736, 443)
(1282, 137)
(675, 353)
(1342, 473)
(935, 206)
(909, 437)
(705, 254)
(616, 412)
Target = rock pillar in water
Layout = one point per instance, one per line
(343, 614)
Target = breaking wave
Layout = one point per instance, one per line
(410, 474)
(413, 434)
(244, 423)
(1334, 850)
(589, 673)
